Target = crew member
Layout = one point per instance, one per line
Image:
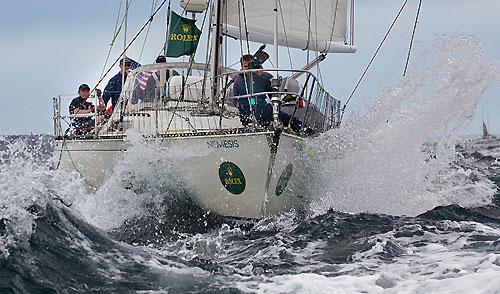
(114, 86)
(80, 105)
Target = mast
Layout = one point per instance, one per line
(191, 57)
(276, 33)
(167, 31)
(216, 36)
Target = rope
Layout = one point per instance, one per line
(333, 26)
(308, 28)
(412, 36)
(318, 67)
(246, 32)
(131, 42)
(153, 4)
(286, 38)
(100, 80)
(246, 27)
(312, 153)
(245, 78)
(165, 45)
(77, 170)
(123, 52)
(318, 70)
(374, 55)
(115, 34)
(184, 84)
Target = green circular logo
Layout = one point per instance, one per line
(232, 177)
(283, 181)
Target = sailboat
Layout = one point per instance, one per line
(241, 170)
(486, 135)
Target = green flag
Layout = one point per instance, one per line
(184, 36)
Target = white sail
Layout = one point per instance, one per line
(305, 24)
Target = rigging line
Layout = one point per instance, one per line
(311, 152)
(131, 42)
(184, 12)
(233, 64)
(315, 22)
(225, 35)
(286, 38)
(412, 36)
(153, 4)
(318, 71)
(373, 57)
(246, 80)
(114, 37)
(117, 32)
(184, 84)
(239, 24)
(246, 26)
(333, 26)
(308, 29)
(241, 10)
(207, 53)
(76, 168)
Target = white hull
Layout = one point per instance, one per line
(233, 175)
(244, 171)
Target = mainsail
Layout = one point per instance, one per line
(318, 25)
(485, 132)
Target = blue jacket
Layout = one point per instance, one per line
(113, 90)
(260, 84)
(262, 109)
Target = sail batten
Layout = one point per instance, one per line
(304, 24)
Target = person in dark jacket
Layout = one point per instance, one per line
(258, 82)
(114, 86)
(80, 105)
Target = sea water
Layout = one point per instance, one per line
(398, 203)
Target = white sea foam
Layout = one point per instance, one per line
(439, 259)
(27, 185)
(145, 174)
(375, 161)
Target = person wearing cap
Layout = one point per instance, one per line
(260, 81)
(80, 105)
(153, 82)
(114, 86)
(248, 62)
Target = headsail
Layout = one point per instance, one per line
(314, 24)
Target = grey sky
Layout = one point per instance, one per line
(50, 47)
